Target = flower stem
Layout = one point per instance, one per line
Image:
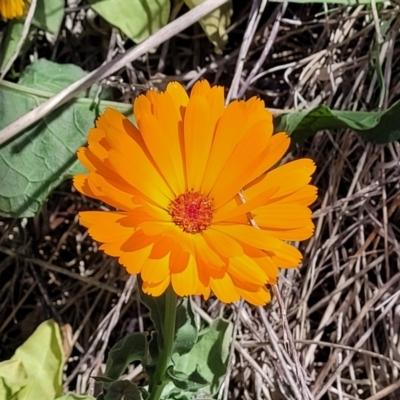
(159, 380)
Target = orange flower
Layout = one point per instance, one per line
(10, 9)
(189, 182)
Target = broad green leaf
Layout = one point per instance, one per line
(215, 24)
(42, 359)
(9, 43)
(13, 378)
(137, 19)
(192, 382)
(209, 356)
(49, 15)
(123, 390)
(375, 126)
(41, 157)
(37, 75)
(73, 396)
(171, 392)
(133, 347)
(186, 330)
(387, 129)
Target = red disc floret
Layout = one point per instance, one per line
(191, 211)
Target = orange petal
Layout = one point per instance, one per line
(139, 241)
(164, 110)
(110, 194)
(80, 183)
(142, 105)
(256, 111)
(178, 95)
(259, 298)
(134, 260)
(198, 137)
(206, 253)
(229, 131)
(153, 228)
(155, 211)
(137, 170)
(251, 236)
(200, 88)
(185, 283)
(269, 267)
(245, 269)
(287, 256)
(158, 143)
(302, 233)
(178, 259)
(156, 289)
(106, 227)
(222, 243)
(270, 156)
(180, 237)
(98, 144)
(289, 178)
(155, 270)
(304, 196)
(224, 289)
(162, 248)
(228, 211)
(239, 169)
(282, 216)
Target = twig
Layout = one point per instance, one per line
(267, 48)
(384, 393)
(299, 369)
(254, 18)
(376, 22)
(165, 33)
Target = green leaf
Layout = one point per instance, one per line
(13, 378)
(191, 382)
(49, 15)
(42, 359)
(137, 19)
(186, 330)
(133, 347)
(36, 76)
(387, 129)
(73, 396)
(215, 24)
(209, 356)
(9, 44)
(375, 126)
(44, 155)
(123, 390)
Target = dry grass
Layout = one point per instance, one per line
(332, 330)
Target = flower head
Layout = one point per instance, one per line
(10, 9)
(199, 207)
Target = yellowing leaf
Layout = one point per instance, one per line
(13, 378)
(214, 24)
(42, 359)
(138, 19)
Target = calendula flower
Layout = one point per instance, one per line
(198, 206)
(10, 9)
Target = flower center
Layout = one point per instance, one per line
(191, 211)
